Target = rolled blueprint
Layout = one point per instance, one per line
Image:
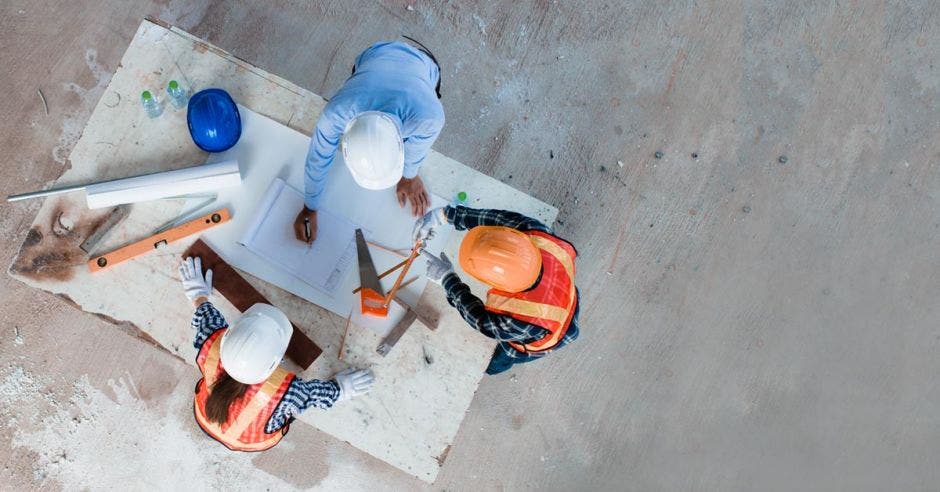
(198, 179)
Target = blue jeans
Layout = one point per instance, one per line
(502, 362)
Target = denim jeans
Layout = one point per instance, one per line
(502, 362)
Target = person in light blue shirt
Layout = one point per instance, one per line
(384, 119)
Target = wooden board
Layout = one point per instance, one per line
(242, 295)
(412, 415)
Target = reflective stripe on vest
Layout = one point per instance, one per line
(551, 303)
(251, 415)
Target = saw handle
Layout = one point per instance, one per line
(372, 303)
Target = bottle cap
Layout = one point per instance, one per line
(146, 95)
(174, 84)
(462, 196)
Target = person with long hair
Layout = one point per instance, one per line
(245, 399)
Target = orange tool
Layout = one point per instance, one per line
(371, 296)
(383, 274)
(151, 243)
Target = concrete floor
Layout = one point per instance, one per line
(747, 323)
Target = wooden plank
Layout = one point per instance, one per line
(429, 400)
(242, 295)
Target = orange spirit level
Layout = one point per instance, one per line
(151, 243)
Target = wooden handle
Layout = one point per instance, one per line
(151, 243)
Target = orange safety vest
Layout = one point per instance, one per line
(552, 303)
(247, 416)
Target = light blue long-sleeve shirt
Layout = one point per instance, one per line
(394, 78)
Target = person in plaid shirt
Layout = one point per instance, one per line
(246, 400)
(532, 308)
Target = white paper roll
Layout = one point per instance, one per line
(198, 179)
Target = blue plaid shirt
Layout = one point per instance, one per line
(300, 395)
(499, 327)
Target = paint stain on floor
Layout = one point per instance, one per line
(51, 250)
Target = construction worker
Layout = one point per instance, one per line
(385, 118)
(532, 306)
(245, 400)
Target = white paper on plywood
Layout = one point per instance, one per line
(325, 263)
(268, 151)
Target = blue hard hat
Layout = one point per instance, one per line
(213, 119)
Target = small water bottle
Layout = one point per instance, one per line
(178, 96)
(151, 105)
(459, 199)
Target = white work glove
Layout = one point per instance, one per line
(438, 268)
(194, 284)
(354, 382)
(424, 227)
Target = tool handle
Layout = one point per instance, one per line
(371, 303)
(151, 243)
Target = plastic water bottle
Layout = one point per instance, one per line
(178, 95)
(151, 106)
(459, 199)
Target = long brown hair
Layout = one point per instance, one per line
(224, 392)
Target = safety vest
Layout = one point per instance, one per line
(552, 303)
(247, 416)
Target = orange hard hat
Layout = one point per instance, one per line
(501, 257)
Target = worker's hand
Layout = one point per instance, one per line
(300, 227)
(438, 268)
(195, 285)
(412, 190)
(425, 226)
(354, 382)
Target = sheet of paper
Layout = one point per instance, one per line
(325, 263)
(269, 151)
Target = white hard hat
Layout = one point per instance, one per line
(253, 347)
(373, 150)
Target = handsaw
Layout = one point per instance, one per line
(371, 295)
(373, 300)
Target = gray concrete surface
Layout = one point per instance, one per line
(747, 324)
